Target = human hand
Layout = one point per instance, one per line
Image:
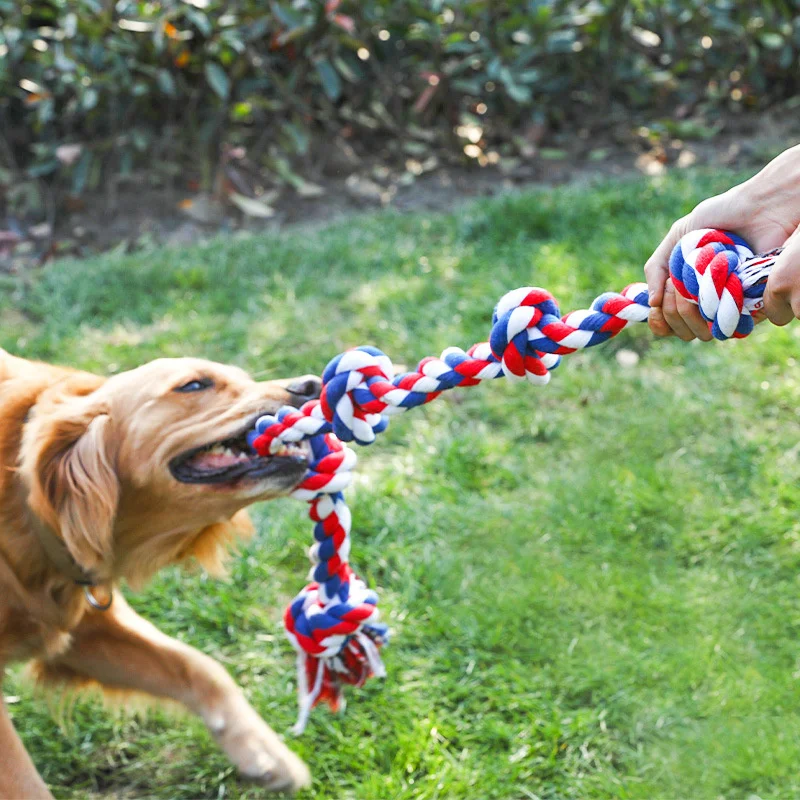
(765, 211)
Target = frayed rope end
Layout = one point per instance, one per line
(324, 679)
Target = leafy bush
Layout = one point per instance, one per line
(170, 81)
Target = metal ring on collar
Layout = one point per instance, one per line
(94, 602)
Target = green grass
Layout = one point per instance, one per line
(593, 586)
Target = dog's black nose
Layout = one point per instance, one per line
(306, 388)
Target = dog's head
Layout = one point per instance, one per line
(151, 465)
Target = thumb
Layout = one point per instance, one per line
(656, 270)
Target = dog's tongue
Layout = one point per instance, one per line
(217, 458)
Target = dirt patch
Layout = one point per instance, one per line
(136, 215)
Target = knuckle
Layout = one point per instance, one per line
(659, 327)
(654, 269)
(680, 226)
(656, 322)
(689, 312)
(779, 283)
(684, 306)
(777, 275)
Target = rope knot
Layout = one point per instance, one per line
(355, 385)
(519, 340)
(718, 271)
(529, 336)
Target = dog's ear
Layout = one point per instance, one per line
(74, 485)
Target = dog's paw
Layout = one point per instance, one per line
(283, 772)
(260, 755)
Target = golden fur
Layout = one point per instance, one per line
(85, 461)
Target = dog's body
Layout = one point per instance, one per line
(103, 479)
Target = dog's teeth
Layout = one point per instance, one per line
(284, 450)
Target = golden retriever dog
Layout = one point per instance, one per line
(110, 478)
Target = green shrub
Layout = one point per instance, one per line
(167, 81)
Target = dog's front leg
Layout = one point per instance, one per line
(18, 776)
(119, 649)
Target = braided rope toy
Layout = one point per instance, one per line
(333, 623)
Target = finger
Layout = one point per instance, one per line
(656, 270)
(671, 314)
(782, 291)
(658, 325)
(777, 308)
(656, 274)
(691, 315)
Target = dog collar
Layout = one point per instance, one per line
(57, 552)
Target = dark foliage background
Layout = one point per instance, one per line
(90, 88)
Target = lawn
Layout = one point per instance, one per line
(592, 586)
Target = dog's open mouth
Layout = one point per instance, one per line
(232, 460)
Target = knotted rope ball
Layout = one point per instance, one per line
(333, 623)
(718, 271)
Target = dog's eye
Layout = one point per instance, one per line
(195, 386)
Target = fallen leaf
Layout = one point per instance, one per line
(252, 206)
(36, 97)
(363, 188)
(307, 189)
(650, 164)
